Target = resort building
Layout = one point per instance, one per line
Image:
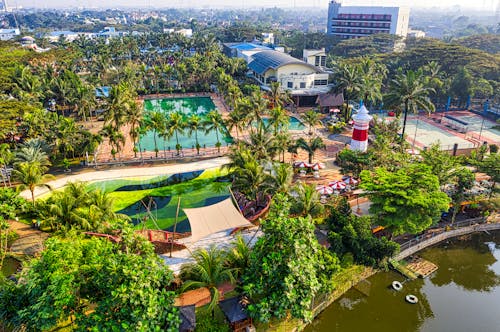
(304, 81)
(360, 21)
(315, 57)
(243, 50)
(8, 34)
(69, 36)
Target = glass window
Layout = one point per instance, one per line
(290, 85)
(302, 85)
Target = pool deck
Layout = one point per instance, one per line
(130, 172)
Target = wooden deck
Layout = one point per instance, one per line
(421, 267)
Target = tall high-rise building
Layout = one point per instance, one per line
(3, 6)
(361, 21)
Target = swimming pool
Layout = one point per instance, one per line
(152, 202)
(186, 106)
(293, 124)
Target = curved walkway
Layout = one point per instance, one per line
(132, 172)
(472, 226)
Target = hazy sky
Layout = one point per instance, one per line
(478, 4)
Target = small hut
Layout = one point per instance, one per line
(188, 318)
(236, 314)
(329, 101)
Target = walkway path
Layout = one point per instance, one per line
(143, 171)
(30, 241)
(411, 247)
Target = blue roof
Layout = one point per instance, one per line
(103, 91)
(248, 46)
(58, 33)
(265, 60)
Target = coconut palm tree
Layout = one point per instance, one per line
(348, 82)
(32, 152)
(208, 270)
(307, 201)
(235, 120)
(282, 177)
(238, 256)
(278, 119)
(194, 124)
(257, 107)
(135, 118)
(252, 180)
(157, 123)
(31, 175)
(310, 146)
(116, 139)
(176, 125)
(215, 123)
(279, 98)
(311, 118)
(408, 93)
(283, 141)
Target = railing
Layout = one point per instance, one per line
(435, 236)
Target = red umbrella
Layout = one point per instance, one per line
(324, 190)
(300, 164)
(351, 181)
(317, 166)
(337, 185)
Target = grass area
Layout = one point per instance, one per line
(206, 323)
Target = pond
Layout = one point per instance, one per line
(186, 106)
(151, 202)
(462, 295)
(10, 266)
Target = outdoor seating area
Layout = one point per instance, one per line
(337, 187)
(236, 315)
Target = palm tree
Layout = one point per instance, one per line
(282, 177)
(283, 142)
(208, 270)
(157, 123)
(176, 125)
(194, 124)
(258, 107)
(348, 82)
(307, 201)
(31, 175)
(116, 139)
(370, 84)
(279, 98)
(215, 123)
(409, 94)
(238, 256)
(279, 120)
(310, 146)
(32, 152)
(135, 118)
(235, 120)
(311, 118)
(252, 180)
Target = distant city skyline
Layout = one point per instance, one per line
(479, 5)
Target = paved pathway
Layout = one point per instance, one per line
(144, 171)
(30, 241)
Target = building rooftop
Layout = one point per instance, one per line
(266, 60)
(246, 46)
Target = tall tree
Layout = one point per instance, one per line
(195, 124)
(310, 146)
(30, 176)
(176, 125)
(408, 93)
(215, 123)
(407, 200)
(311, 118)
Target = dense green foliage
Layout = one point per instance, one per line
(288, 267)
(94, 283)
(407, 200)
(350, 234)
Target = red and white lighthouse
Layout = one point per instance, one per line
(359, 141)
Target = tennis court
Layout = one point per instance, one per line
(476, 122)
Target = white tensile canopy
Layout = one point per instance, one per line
(214, 218)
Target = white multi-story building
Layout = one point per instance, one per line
(361, 21)
(8, 34)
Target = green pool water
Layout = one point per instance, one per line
(160, 195)
(187, 106)
(293, 124)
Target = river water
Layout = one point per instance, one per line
(462, 295)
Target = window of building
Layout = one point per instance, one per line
(302, 85)
(317, 61)
(320, 82)
(323, 61)
(289, 85)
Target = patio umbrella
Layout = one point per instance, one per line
(300, 164)
(324, 190)
(334, 110)
(317, 166)
(337, 185)
(351, 181)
